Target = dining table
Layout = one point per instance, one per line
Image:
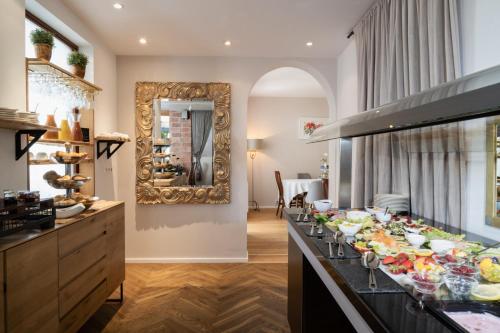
(293, 187)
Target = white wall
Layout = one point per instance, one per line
(275, 119)
(13, 174)
(200, 232)
(479, 27)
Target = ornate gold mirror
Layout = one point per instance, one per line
(183, 143)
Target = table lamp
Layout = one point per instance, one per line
(252, 146)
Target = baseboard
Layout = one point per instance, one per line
(185, 260)
(265, 207)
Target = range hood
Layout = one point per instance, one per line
(472, 96)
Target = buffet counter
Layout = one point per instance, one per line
(326, 294)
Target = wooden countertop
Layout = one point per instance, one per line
(7, 242)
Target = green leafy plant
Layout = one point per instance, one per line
(78, 59)
(40, 36)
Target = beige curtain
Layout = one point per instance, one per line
(403, 47)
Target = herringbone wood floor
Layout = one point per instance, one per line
(215, 298)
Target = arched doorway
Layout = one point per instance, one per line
(281, 104)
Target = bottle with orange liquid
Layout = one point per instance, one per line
(51, 121)
(76, 131)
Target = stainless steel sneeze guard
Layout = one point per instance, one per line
(473, 96)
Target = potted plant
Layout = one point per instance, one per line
(43, 42)
(78, 61)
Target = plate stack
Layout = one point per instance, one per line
(8, 114)
(28, 116)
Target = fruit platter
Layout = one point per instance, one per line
(426, 260)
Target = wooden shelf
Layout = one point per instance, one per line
(49, 162)
(43, 67)
(63, 142)
(22, 125)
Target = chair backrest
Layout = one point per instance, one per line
(304, 175)
(277, 175)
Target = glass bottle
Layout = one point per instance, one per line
(76, 131)
(51, 121)
(64, 131)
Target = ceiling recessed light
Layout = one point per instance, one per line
(143, 40)
(309, 44)
(227, 43)
(117, 5)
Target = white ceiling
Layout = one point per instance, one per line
(287, 82)
(256, 28)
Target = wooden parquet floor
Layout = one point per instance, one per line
(184, 298)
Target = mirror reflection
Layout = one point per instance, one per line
(183, 143)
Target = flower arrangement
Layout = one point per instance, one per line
(310, 127)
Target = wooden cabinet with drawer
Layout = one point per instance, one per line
(31, 285)
(57, 279)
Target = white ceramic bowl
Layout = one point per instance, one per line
(383, 217)
(415, 239)
(350, 229)
(323, 205)
(441, 245)
(357, 214)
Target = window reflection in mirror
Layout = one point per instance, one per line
(183, 143)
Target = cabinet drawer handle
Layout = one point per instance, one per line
(104, 232)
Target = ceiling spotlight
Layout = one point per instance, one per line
(117, 5)
(143, 41)
(227, 43)
(309, 44)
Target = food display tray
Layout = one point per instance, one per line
(357, 277)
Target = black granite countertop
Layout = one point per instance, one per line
(391, 307)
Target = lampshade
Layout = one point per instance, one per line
(253, 144)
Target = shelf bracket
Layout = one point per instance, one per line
(35, 133)
(108, 149)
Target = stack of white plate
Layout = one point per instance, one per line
(8, 114)
(28, 116)
(395, 202)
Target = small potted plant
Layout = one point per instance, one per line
(43, 42)
(79, 62)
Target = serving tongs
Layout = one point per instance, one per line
(370, 260)
(330, 239)
(340, 240)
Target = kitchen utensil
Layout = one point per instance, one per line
(300, 215)
(370, 261)
(312, 229)
(340, 240)
(307, 213)
(488, 247)
(320, 228)
(329, 239)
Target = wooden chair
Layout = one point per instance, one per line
(297, 201)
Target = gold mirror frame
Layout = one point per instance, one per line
(145, 94)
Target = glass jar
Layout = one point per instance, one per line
(51, 121)
(9, 197)
(28, 196)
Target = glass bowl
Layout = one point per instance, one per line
(462, 269)
(460, 285)
(444, 259)
(426, 284)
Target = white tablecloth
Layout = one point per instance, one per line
(292, 187)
